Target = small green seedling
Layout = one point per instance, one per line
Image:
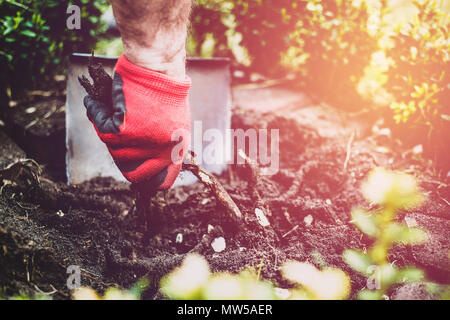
(391, 192)
(194, 280)
(113, 293)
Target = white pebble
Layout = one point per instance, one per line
(30, 110)
(262, 219)
(385, 132)
(328, 202)
(60, 213)
(218, 244)
(308, 220)
(210, 228)
(411, 222)
(418, 149)
(282, 294)
(179, 238)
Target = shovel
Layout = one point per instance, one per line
(210, 102)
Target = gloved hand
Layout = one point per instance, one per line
(147, 123)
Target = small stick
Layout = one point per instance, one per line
(215, 186)
(443, 199)
(349, 150)
(289, 232)
(46, 293)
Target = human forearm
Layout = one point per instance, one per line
(154, 33)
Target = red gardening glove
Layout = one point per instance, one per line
(147, 123)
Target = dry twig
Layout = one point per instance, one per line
(215, 186)
(349, 150)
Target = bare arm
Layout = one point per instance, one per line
(154, 33)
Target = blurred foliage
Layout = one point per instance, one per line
(386, 58)
(113, 293)
(24, 296)
(110, 47)
(194, 280)
(325, 43)
(392, 192)
(419, 75)
(352, 54)
(36, 42)
(331, 45)
(419, 79)
(326, 284)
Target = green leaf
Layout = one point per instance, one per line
(8, 30)
(139, 287)
(365, 222)
(8, 56)
(410, 275)
(28, 33)
(18, 4)
(370, 295)
(358, 261)
(388, 274)
(415, 236)
(401, 233)
(93, 19)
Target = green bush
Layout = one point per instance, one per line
(36, 42)
(326, 43)
(419, 80)
(254, 31)
(208, 20)
(331, 45)
(419, 74)
(393, 192)
(265, 26)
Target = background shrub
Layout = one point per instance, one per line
(326, 44)
(331, 45)
(387, 58)
(419, 77)
(35, 41)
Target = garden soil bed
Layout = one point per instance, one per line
(46, 226)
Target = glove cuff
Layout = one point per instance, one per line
(146, 80)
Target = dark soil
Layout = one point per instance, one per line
(46, 226)
(37, 125)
